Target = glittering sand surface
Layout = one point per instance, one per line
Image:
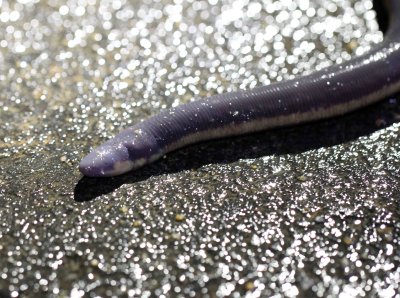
(309, 211)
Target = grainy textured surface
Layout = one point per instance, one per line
(308, 211)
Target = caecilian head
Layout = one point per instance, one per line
(127, 151)
(106, 160)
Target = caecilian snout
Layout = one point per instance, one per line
(105, 161)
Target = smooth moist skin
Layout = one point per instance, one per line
(330, 92)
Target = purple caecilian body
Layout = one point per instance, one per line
(330, 92)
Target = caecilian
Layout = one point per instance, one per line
(332, 91)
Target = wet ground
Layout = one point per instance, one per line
(305, 211)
